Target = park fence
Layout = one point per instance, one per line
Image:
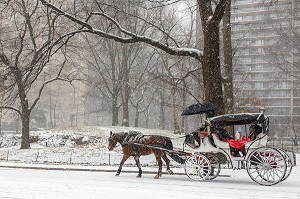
(80, 156)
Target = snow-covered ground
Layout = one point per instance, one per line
(86, 145)
(20, 178)
(40, 184)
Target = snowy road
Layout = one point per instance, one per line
(39, 184)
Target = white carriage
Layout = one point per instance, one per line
(265, 165)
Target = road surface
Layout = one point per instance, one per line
(31, 183)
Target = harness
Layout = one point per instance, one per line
(131, 139)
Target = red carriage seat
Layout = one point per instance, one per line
(239, 145)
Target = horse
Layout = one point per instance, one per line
(136, 144)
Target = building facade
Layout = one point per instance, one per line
(265, 35)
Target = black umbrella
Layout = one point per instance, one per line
(199, 108)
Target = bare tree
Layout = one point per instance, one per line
(210, 17)
(28, 42)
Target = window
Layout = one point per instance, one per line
(258, 85)
(281, 111)
(238, 19)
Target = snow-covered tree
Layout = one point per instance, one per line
(29, 39)
(211, 14)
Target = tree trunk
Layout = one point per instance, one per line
(184, 126)
(146, 113)
(212, 79)
(162, 121)
(137, 115)
(52, 110)
(115, 110)
(125, 121)
(211, 67)
(228, 71)
(175, 113)
(25, 118)
(115, 92)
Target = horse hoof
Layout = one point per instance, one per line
(117, 174)
(156, 177)
(139, 176)
(170, 172)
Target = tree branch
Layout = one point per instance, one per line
(47, 82)
(11, 108)
(133, 38)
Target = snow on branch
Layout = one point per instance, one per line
(11, 108)
(131, 37)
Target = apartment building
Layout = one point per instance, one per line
(265, 36)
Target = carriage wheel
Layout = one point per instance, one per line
(289, 164)
(215, 166)
(266, 166)
(197, 167)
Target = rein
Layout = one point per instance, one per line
(167, 136)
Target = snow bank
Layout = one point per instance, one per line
(87, 145)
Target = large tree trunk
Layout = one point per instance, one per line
(228, 71)
(211, 67)
(212, 79)
(25, 118)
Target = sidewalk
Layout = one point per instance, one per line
(106, 168)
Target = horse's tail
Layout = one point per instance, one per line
(168, 144)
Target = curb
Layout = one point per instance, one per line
(80, 169)
(88, 170)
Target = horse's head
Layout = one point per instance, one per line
(112, 141)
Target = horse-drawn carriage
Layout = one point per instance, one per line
(208, 151)
(265, 165)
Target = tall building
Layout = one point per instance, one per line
(266, 59)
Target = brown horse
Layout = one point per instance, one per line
(136, 144)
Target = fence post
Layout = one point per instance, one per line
(37, 156)
(71, 157)
(109, 159)
(7, 155)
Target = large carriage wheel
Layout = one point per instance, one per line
(289, 164)
(266, 166)
(197, 167)
(215, 166)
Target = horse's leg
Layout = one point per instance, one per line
(167, 161)
(159, 162)
(138, 164)
(125, 157)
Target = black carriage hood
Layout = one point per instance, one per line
(238, 119)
